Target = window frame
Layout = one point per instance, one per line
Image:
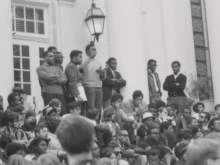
(27, 34)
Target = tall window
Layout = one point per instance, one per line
(28, 20)
(22, 72)
(41, 52)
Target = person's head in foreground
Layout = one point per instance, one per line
(15, 159)
(203, 152)
(48, 159)
(75, 134)
(180, 151)
(14, 148)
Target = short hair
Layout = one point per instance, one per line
(46, 53)
(107, 114)
(163, 151)
(212, 121)
(52, 125)
(150, 129)
(110, 60)
(51, 48)
(48, 159)
(15, 159)
(12, 148)
(10, 117)
(78, 135)
(175, 62)
(199, 151)
(89, 46)
(74, 104)
(207, 115)
(54, 103)
(187, 134)
(153, 152)
(196, 105)
(39, 127)
(164, 125)
(180, 149)
(6, 139)
(172, 106)
(160, 104)
(194, 129)
(217, 106)
(118, 131)
(150, 61)
(11, 98)
(116, 97)
(92, 113)
(137, 94)
(152, 106)
(75, 53)
(161, 109)
(186, 107)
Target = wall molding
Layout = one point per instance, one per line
(67, 3)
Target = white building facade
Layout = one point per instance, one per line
(135, 31)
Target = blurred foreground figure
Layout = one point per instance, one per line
(203, 152)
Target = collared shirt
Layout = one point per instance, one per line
(176, 75)
(113, 72)
(155, 81)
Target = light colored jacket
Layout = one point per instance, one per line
(151, 84)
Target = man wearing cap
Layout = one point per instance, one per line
(148, 121)
(112, 83)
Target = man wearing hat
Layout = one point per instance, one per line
(112, 83)
(148, 121)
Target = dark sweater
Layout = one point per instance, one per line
(170, 85)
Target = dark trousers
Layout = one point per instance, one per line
(179, 102)
(94, 98)
(130, 129)
(47, 97)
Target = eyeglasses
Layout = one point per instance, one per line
(201, 116)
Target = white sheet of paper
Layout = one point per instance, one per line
(82, 92)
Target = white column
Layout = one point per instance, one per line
(178, 30)
(213, 19)
(6, 64)
(126, 43)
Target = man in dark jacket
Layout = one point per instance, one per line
(74, 77)
(112, 83)
(175, 85)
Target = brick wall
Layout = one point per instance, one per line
(199, 42)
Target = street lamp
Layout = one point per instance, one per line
(95, 21)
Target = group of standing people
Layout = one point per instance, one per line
(72, 129)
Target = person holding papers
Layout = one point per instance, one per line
(74, 78)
